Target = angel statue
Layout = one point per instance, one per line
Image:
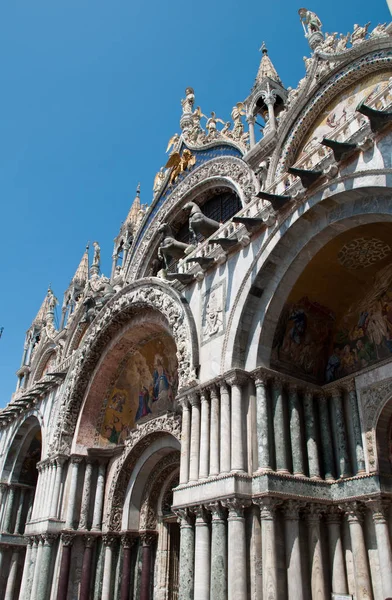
(342, 43)
(188, 102)
(158, 181)
(195, 130)
(225, 130)
(236, 114)
(310, 21)
(173, 142)
(178, 164)
(97, 255)
(359, 33)
(211, 126)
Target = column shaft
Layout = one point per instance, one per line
(262, 425)
(145, 583)
(202, 556)
(204, 438)
(187, 555)
(18, 519)
(279, 429)
(69, 522)
(26, 568)
(268, 548)
(107, 570)
(57, 486)
(311, 442)
(11, 581)
(45, 580)
(97, 516)
(326, 439)
(318, 582)
(383, 546)
(336, 556)
(237, 580)
(62, 586)
(185, 442)
(9, 509)
(340, 435)
(86, 569)
(361, 567)
(214, 433)
(295, 432)
(218, 586)
(126, 568)
(37, 571)
(237, 437)
(359, 455)
(295, 585)
(225, 430)
(195, 440)
(86, 496)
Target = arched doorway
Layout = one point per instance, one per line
(17, 491)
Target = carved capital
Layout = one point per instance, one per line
(334, 515)
(291, 510)
(89, 540)
(277, 384)
(218, 512)
(260, 377)
(236, 507)
(184, 517)
(76, 460)
(127, 540)
(49, 539)
(379, 508)
(61, 460)
(350, 385)
(267, 507)
(314, 512)
(335, 392)
(237, 378)
(67, 539)
(213, 391)
(194, 400)
(201, 514)
(109, 539)
(354, 512)
(184, 403)
(148, 537)
(224, 388)
(204, 397)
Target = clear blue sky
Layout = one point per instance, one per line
(90, 95)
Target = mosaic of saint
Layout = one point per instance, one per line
(338, 114)
(145, 387)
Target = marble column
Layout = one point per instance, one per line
(225, 429)
(109, 541)
(340, 434)
(295, 585)
(311, 442)
(45, 580)
(218, 585)
(336, 555)
(295, 432)
(69, 521)
(279, 427)
(317, 562)
(31, 570)
(11, 581)
(187, 555)
(195, 438)
(202, 554)
(19, 513)
(85, 583)
(37, 493)
(360, 558)
(251, 122)
(326, 439)
(379, 512)
(237, 423)
(84, 510)
(50, 488)
(98, 504)
(60, 461)
(26, 569)
(262, 423)
(359, 455)
(37, 569)
(62, 586)
(237, 575)
(9, 509)
(204, 436)
(147, 538)
(185, 441)
(127, 542)
(268, 547)
(214, 432)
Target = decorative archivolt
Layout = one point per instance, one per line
(153, 488)
(146, 294)
(139, 440)
(298, 121)
(226, 171)
(41, 360)
(372, 401)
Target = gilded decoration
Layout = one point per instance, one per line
(146, 386)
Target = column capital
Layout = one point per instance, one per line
(267, 506)
(251, 119)
(184, 517)
(89, 540)
(379, 508)
(335, 391)
(353, 511)
(148, 537)
(61, 460)
(334, 515)
(213, 390)
(218, 512)
(349, 386)
(291, 510)
(238, 378)
(204, 396)
(67, 539)
(293, 387)
(314, 512)
(30, 540)
(194, 399)
(76, 460)
(109, 539)
(308, 393)
(127, 540)
(277, 383)
(184, 403)
(3, 486)
(49, 539)
(236, 507)
(260, 377)
(201, 514)
(223, 386)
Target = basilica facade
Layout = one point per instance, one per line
(213, 420)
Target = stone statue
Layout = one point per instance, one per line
(199, 223)
(158, 181)
(342, 43)
(310, 21)
(211, 126)
(236, 114)
(225, 131)
(379, 31)
(329, 43)
(97, 255)
(178, 164)
(196, 132)
(188, 102)
(359, 33)
(169, 247)
(96, 297)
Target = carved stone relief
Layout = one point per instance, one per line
(213, 318)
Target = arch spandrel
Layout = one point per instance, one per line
(146, 295)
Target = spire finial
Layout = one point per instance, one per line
(138, 189)
(263, 48)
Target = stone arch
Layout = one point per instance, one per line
(18, 447)
(375, 402)
(76, 332)
(151, 442)
(230, 172)
(275, 269)
(150, 297)
(375, 57)
(47, 353)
